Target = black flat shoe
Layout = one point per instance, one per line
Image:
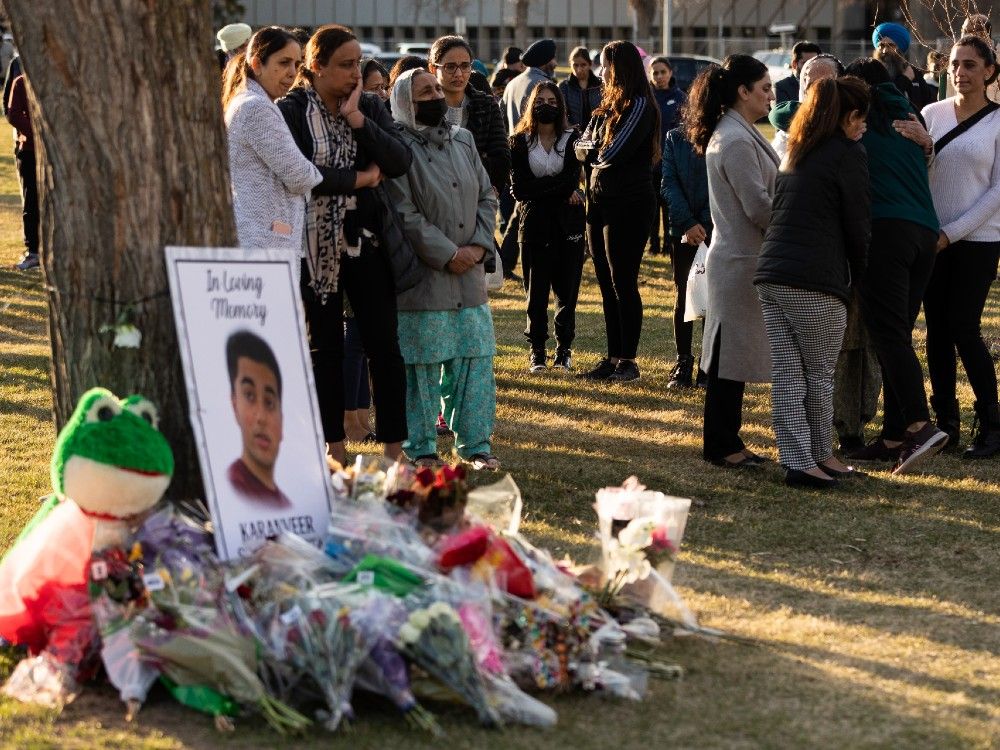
(743, 463)
(851, 472)
(754, 458)
(796, 478)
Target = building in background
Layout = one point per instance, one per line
(707, 27)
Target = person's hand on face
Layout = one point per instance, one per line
(854, 125)
(376, 84)
(277, 74)
(340, 80)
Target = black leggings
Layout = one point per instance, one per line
(368, 284)
(681, 258)
(953, 307)
(617, 233)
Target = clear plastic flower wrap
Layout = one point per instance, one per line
(360, 529)
(215, 655)
(385, 671)
(433, 637)
(322, 633)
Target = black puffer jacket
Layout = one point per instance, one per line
(489, 128)
(820, 222)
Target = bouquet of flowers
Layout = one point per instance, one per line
(214, 655)
(640, 534)
(319, 633)
(437, 497)
(117, 596)
(385, 672)
(435, 640)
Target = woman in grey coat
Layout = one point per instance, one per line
(446, 332)
(725, 103)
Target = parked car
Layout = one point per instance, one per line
(687, 67)
(778, 62)
(388, 59)
(414, 48)
(370, 50)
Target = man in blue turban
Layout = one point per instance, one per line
(892, 33)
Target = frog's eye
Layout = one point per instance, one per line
(104, 409)
(146, 410)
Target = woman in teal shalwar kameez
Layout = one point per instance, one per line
(445, 327)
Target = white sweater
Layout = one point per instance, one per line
(271, 179)
(965, 176)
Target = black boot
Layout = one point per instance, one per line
(680, 376)
(948, 421)
(985, 433)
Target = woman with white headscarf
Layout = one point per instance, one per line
(445, 327)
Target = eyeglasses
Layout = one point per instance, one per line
(452, 68)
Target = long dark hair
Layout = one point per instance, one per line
(625, 82)
(827, 103)
(714, 90)
(984, 50)
(527, 125)
(322, 44)
(874, 73)
(263, 44)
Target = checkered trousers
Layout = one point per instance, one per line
(805, 330)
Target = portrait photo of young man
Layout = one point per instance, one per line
(255, 391)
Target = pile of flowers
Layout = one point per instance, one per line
(423, 590)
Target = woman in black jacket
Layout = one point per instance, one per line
(582, 90)
(814, 249)
(545, 179)
(621, 143)
(337, 125)
(476, 111)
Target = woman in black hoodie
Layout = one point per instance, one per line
(337, 125)
(814, 249)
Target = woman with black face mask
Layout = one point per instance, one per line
(545, 180)
(446, 332)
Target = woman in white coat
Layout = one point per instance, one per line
(725, 101)
(271, 179)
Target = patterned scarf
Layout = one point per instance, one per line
(333, 146)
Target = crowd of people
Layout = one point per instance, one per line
(879, 194)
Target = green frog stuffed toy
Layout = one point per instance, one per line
(111, 464)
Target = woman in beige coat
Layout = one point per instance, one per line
(724, 104)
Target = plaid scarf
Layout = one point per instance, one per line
(333, 146)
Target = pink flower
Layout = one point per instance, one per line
(661, 540)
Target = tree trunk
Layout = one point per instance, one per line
(132, 157)
(521, 23)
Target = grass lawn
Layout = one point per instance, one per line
(873, 610)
